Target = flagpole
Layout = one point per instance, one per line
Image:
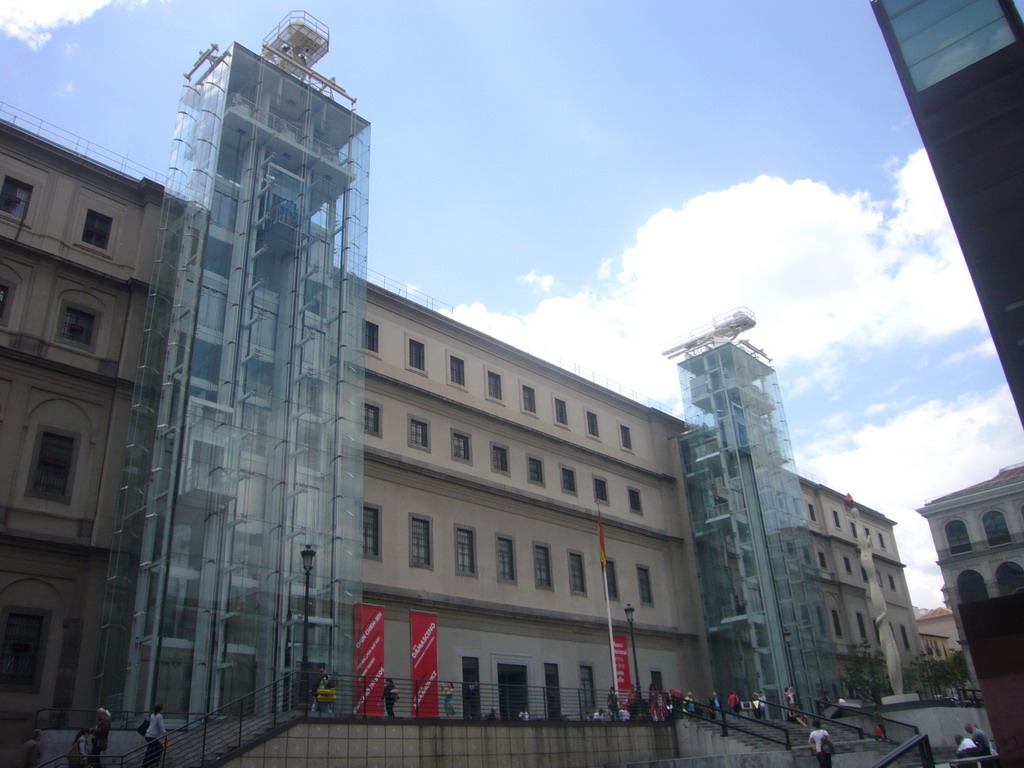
(607, 607)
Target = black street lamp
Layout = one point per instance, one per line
(307, 565)
(632, 641)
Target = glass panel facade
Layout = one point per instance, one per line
(938, 38)
(758, 581)
(238, 458)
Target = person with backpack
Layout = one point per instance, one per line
(821, 744)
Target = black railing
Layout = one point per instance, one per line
(80, 719)
(794, 715)
(895, 731)
(751, 726)
(920, 743)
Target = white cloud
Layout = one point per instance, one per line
(941, 446)
(544, 284)
(837, 282)
(33, 22)
(986, 349)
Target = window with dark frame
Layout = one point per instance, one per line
(611, 579)
(835, 516)
(457, 370)
(996, 530)
(419, 542)
(577, 577)
(810, 512)
(906, 640)
(460, 446)
(587, 692)
(419, 433)
(499, 458)
(96, 231)
(371, 418)
(4, 293)
(861, 627)
(892, 583)
(77, 325)
(957, 538)
(881, 540)
(643, 583)
(371, 532)
(568, 480)
(821, 559)
(529, 399)
(52, 474)
(22, 649)
(371, 336)
(494, 385)
(417, 355)
(600, 490)
(15, 197)
(634, 500)
(592, 424)
(506, 559)
(561, 412)
(534, 469)
(863, 574)
(465, 551)
(836, 625)
(542, 565)
(625, 437)
(853, 530)
(846, 564)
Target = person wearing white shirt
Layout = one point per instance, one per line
(821, 744)
(155, 735)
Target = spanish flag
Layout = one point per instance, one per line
(600, 536)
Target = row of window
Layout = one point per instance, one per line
(849, 569)
(993, 522)
(417, 361)
(1009, 581)
(421, 555)
(74, 324)
(853, 526)
(462, 450)
(837, 627)
(16, 196)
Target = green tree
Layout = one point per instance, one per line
(866, 675)
(937, 676)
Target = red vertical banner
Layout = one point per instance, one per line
(369, 652)
(423, 648)
(622, 680)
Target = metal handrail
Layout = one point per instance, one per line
(811, 716)
(728, 715)
(884, 719)
(919, 742)
(79, 719)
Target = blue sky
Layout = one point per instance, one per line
(592, 180)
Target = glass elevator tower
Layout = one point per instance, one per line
(245, 443)
(762, 602)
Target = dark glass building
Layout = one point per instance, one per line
(961, 63)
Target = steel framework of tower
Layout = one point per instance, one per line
(763, 605)
(246, 435)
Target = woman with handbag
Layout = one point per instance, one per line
(155, 735)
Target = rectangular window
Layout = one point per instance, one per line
(419, 434)
(568, 480)
(53, 465)
(460, 446)
(499, 458)
(561, 413)
(542, 565)
(371, 532)
(835, 516)
(417, 355)
(846, 564)
(863, 574)
(592, 424)
(892, 583)
(587, 693)
(600, 490)
(5, 291)
(371, 336)
(860, 626)
(465, 551)
(77, 325)
(457, 370)
(836, 626)
(821, 560)
(534, 469)
(881, 540)
(610, 578)
(853, 530)
(506, 559)
(906, 640)
(643, 581)
(97, 229)
(23, 645)
(810, 512)
(529, 399)
(625, 437)
(419, 542)
(494, 385)
(634, 501)
(15, 197)
(577, 578)
(371, 419)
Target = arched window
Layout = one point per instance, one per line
(1010, 578)
(957, 538)
(971, 587)
(995, 528)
